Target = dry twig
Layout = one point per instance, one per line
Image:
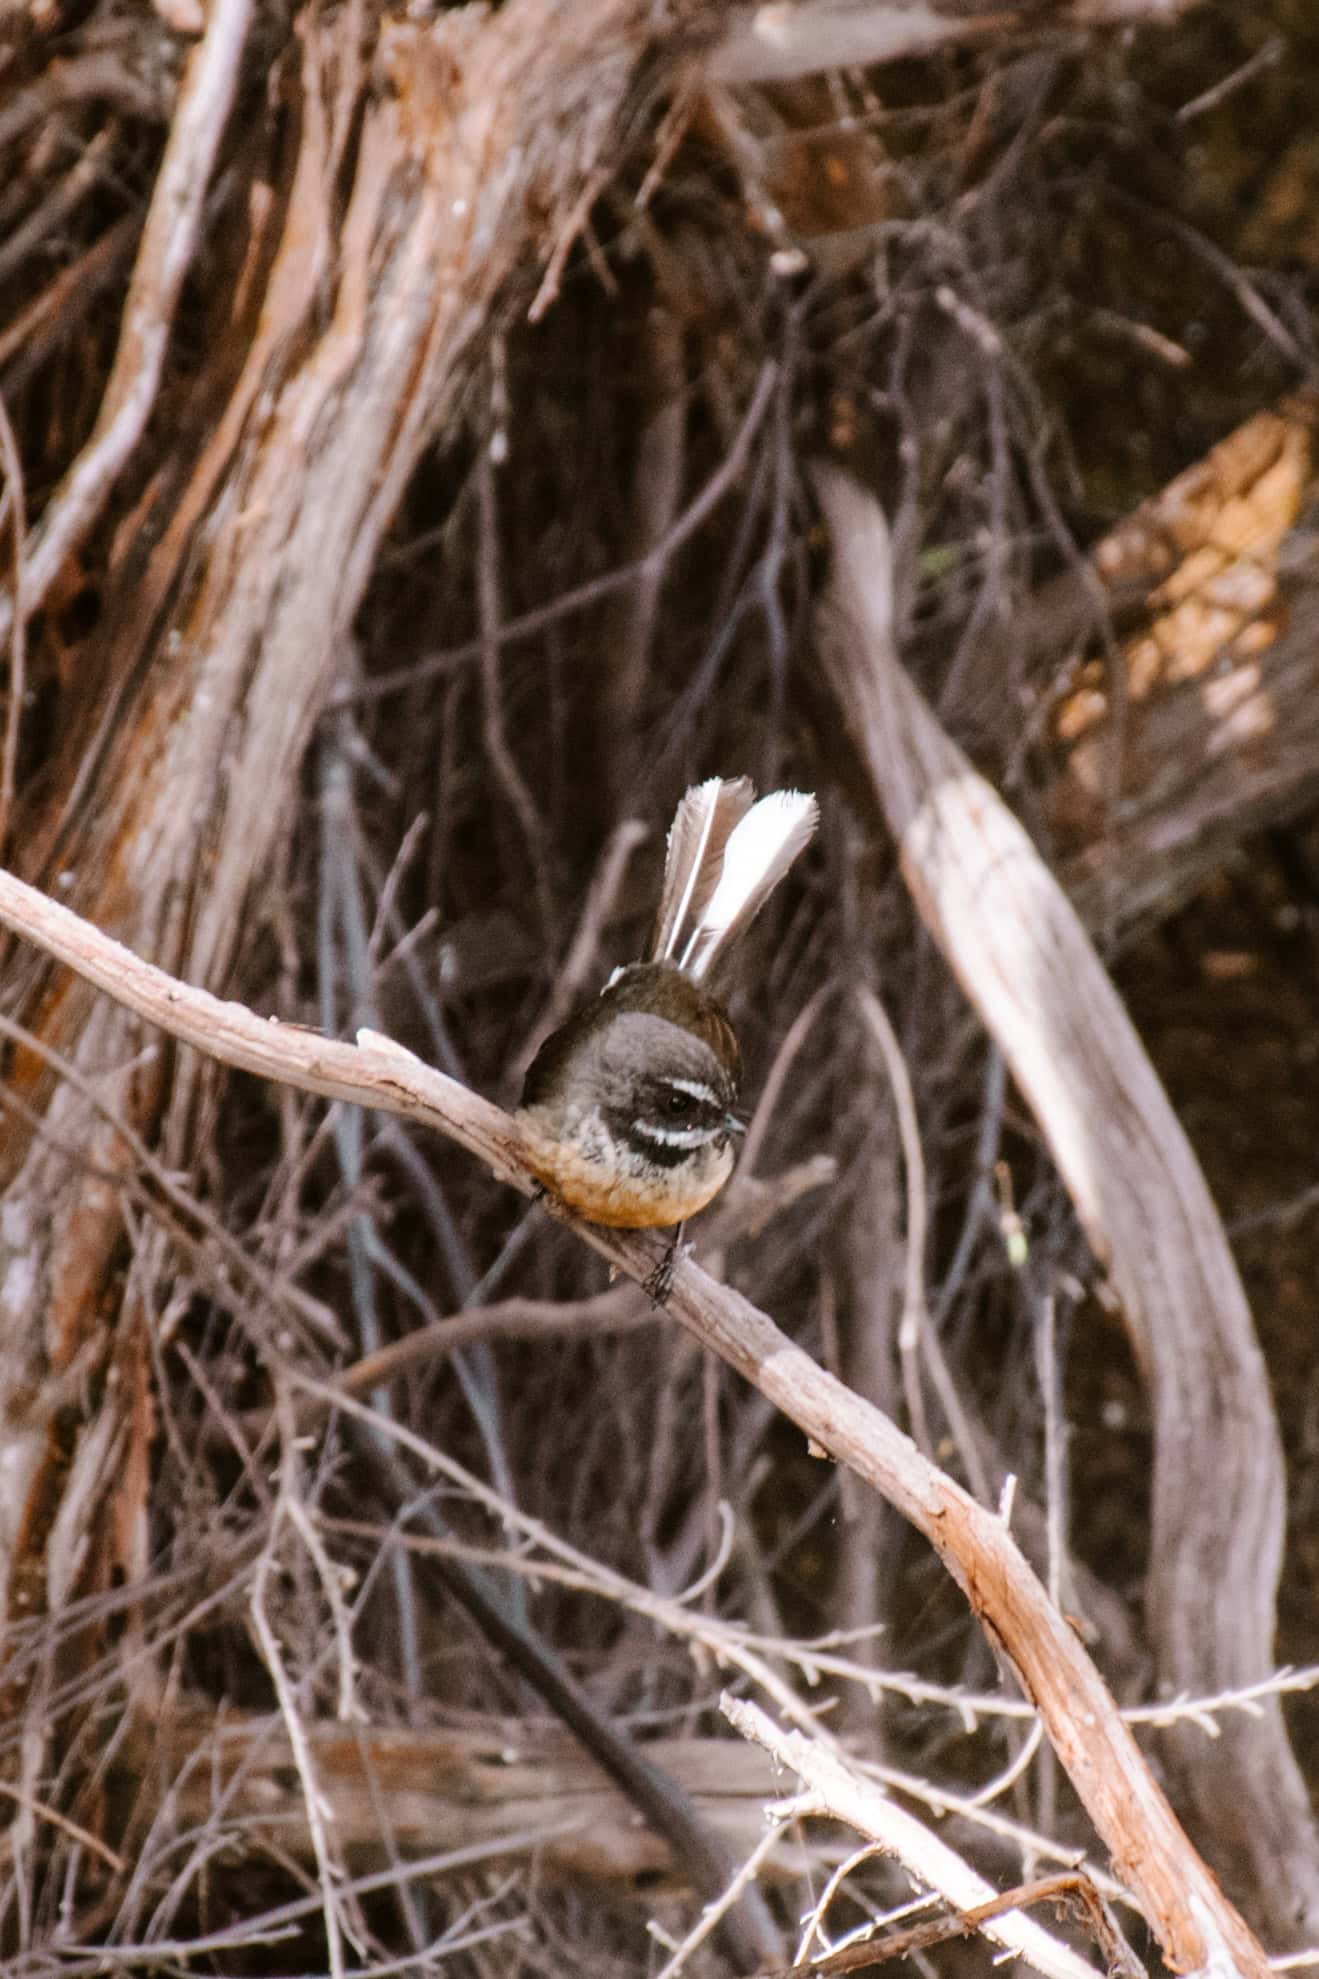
(848, 1796)
(164, 257)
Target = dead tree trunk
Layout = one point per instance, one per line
(430, 164)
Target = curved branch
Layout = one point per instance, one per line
(1195, 1923)
(1027, 965)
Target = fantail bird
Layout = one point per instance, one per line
(627, 1110)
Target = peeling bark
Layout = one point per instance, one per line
(478, 136)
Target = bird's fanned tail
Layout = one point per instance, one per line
(759, 851)
(726, 855)
(693, 867)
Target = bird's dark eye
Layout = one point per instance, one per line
(679, 1104)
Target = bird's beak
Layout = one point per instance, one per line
(734, 1124)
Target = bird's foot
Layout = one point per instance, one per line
(658, 1283)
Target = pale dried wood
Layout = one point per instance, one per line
(1026, 963)
(786, 39)
(445, 1789)
(864, 1805)
(432, 164)
(1193, 1920)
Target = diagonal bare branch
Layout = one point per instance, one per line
(1194, 1921)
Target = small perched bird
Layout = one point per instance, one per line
(627, 1111)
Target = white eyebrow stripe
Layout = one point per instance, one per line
(676, 1137)
(694, 1089)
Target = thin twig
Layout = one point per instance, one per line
(164, 257)
(54, 210)
(64, 301)
(1072, 1885)
(917, 1331)
(914, 1325)
(84, 1836)
(13, 467)
(1265, 56)
(493, 731)
(595, 588)
(1223, 266)
(710, 1916)
(813, 1922)
(314, 1801)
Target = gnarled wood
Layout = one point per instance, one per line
(1024, 960)
(453, 1789)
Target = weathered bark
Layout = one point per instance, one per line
(477, 137)
(1027, 965)
(1203, 726)
(443, 1790)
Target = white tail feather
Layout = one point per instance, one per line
(759, 851)
(698, 836)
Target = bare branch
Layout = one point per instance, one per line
(1185, 1906)
(779, 43)
(163, 260)
(850, 1797)
(1028, 966)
